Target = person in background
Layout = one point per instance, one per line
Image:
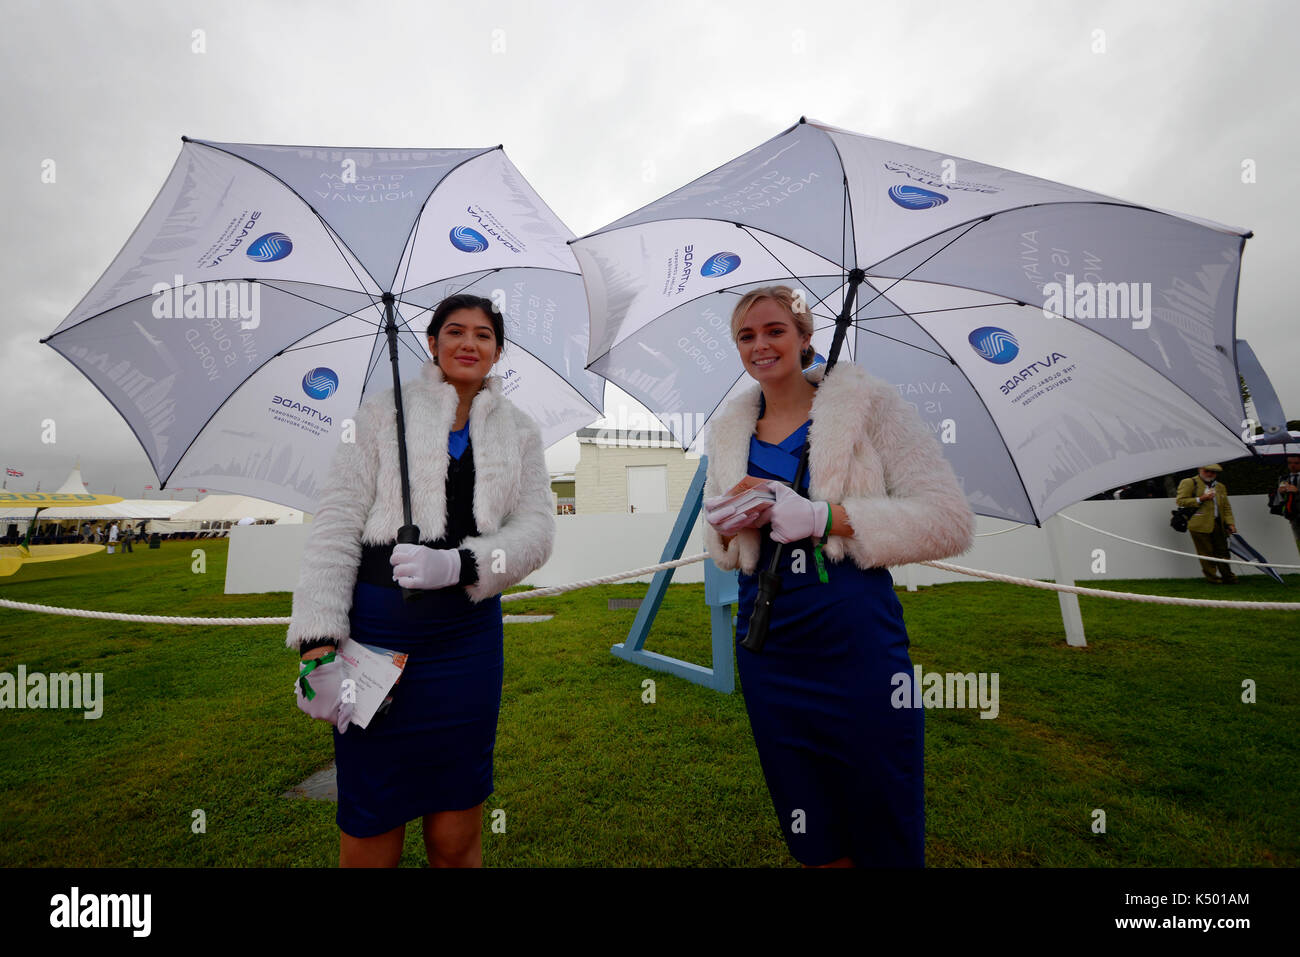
(1212, 523)
(1285, 499)
(128, 535)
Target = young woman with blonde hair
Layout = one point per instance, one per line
(842, 764)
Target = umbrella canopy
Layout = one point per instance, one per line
(1287, 443)
(1057, 341)
(239, 328)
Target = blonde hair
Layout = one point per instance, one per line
(784, 296)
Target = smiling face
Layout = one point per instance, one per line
(465, 347)
(769, 342)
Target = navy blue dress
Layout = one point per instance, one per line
(843, 766)
(432, 749)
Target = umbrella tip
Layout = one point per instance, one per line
(803, 119)
(184, 138)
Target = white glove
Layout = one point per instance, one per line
(419, 566)
(727, 520)
(326, 684)
(794, 517)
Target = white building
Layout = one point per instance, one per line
(631, 472)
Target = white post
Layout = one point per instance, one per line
(1071, 617)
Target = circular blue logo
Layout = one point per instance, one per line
(270, 248)
(914, 197)
(719, 264)
(996, 345)
(468, 240)
(320, 383)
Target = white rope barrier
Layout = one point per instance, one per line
(174, 620)
(1172, 551)
(1123, 595)
(677, 563)
(143, 619)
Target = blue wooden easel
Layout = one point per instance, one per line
(721, 591)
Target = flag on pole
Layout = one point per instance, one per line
(14, 472)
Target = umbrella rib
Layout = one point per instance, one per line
(219, 407)
(1009, 301)
(953, 362)
(331, 342)
(265, 282)
(846, 206)
(481, 274)
(901, 342)
(338, 242)
(341, 315)
(415, 224)
(378, 356)
(516, 343)
(727, 290)
(881, 292)
(787, 268)
(1015, 209)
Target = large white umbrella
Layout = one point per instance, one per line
(1058, 341)
(244, 320)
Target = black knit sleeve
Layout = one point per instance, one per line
(468, 568)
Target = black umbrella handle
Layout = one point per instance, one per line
(769, 580)
(410, 535)
(769, 586)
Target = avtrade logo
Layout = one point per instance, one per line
(270, 248)
(914, 197)
(320, 383)
(994, 344)
(719, 264)
(468, 240)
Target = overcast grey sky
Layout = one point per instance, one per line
(604, 107)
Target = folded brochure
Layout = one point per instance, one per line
(374, 671)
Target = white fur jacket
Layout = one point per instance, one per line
(869, 452)
(362, 500)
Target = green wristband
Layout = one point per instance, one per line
(307, 668)
(817, 549)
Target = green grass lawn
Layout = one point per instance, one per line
(1146, 724)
